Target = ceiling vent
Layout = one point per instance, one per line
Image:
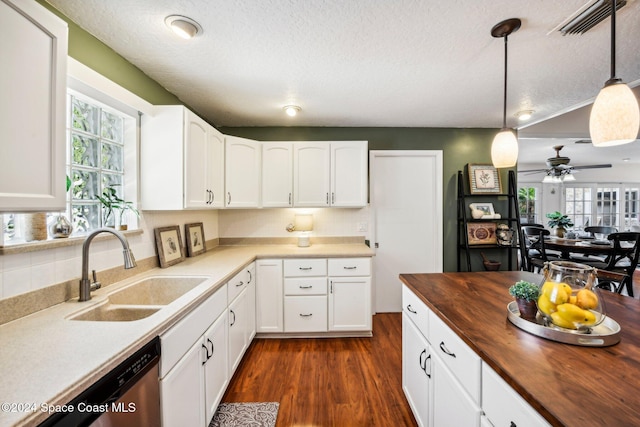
(589, 16)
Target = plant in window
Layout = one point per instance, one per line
(113, 204)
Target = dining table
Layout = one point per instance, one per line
(585, 246)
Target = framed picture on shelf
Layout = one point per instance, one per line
(482, 233)
(169, 245)
(195, 238)
(484, 179)
(486, 208)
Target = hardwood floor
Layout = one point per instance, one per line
(328, 381)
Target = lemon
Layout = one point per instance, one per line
(586, 299)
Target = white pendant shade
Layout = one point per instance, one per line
(504, 150)
(615, 117)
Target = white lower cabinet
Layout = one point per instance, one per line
(269, 296)
(446, 382)
(305, 313)
(417, 367)
(452, 405)
(503, 406)
(193, 365)
(237, 330)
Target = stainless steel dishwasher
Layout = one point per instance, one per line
(129, 395)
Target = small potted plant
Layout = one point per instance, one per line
(526, 295)
(560, 222)
(112, 202)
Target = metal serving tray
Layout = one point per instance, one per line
(605, 334)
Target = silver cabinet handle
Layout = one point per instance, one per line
(228, 198)
(306, 287)
(305, 268)
(240, 284)
(250, 276)
(327, 198)
(411, 310)
(234, 318)
(289, 199)
(350, 268)
(306, 315)
(333, 198)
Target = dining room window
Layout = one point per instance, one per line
(631, 214)
(529, 204)
(578, 206)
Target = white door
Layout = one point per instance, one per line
(349, 173)
(406, 209)
(311, 174)
(196, 161)
(349, 304)
(242, 172)
(277, 175)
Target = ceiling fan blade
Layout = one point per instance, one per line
(592, 166)
(532, 171)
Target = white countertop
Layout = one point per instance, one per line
(47, 359)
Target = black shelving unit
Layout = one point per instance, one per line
(511, 217)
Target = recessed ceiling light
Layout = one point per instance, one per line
(524, 115)
(184, 27)
(292, 110)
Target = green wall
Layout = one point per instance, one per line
(459, 147)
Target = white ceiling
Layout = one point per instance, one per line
(379, 63)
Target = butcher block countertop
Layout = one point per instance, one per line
(568, 385)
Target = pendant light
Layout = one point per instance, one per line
(504, 149)
(615, 117)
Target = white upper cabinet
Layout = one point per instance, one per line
(277, 174)
(311, 174)
(182, 161)
(349, 173)
(242, 172)
(330, 174)
(32, 106)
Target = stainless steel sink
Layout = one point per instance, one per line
(140, 299)
(114, 313)
(157, 290)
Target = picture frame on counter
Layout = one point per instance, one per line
(484, 179)
(194, 234)
(169, 245)
(482, 233)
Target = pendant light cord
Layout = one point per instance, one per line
(613, 39)
(504, 100)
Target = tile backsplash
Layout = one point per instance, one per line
(29, 271)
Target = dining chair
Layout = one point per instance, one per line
(600, 229)
(623, 259)
(612, 281)
(537, 253)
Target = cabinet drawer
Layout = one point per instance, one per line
(416, 310)
(238, 283)
(349, 266)
(305, 314)
(463, 362)
(305, 267)
(503, 405)
(177, 340)
(305, 286)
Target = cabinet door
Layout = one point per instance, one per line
(277, 174)
(349, 173)
(216, 374)
(242, 172)
(182, 391)
(416, 371)
(196, 193)
(215, 168)
(237, 331)
(269, 312)
(452, 406)
(251, 303)
(33, 85)
(311, 174)
(305, 313)
(349, 303)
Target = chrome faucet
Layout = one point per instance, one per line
(85, 284)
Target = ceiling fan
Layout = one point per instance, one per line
(559, 169)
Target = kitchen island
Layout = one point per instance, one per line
(567, 385)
